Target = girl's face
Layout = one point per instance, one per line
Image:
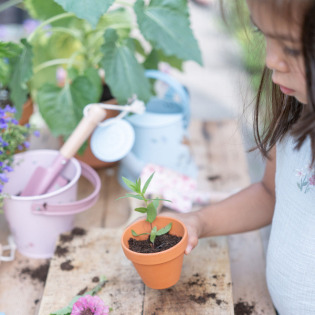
(283, 48)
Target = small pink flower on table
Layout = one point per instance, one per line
(90, 305)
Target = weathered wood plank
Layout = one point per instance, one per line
(97, 253)
(204, 286)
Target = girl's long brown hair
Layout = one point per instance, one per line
(286, 114)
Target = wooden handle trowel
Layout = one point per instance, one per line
(43, 178)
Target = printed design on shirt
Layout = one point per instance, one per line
(306, 177)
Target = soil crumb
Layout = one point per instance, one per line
(96, 279)
(81, 292)
(66, 265)
(202, 299)
(39, 273)
(77, 231)
(61, 251)
(244, 308)
(161, 243)
(65, 238)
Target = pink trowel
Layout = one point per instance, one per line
(43, 178)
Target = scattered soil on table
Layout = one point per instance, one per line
(66, 266)
(244, 308)
(61, 251)
(199, 281)
(39, 273)
(161, 243)
(96, 279)
(76, 231)
(81, 292)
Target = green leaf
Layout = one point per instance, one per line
(124, 75)
(22, 72)
(141, 209)
(147, 183)
(138, 185)
(67, 102)
(129, 183)
(151, 213)
(37, 10)
(164, 230)
(90, 10)
(135, 196)
(165, 23)
(156, 56)
(9, 50)
(153, 234)
(135, 234)
(156, 202)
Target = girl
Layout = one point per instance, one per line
(285, 196)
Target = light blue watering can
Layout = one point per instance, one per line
(160, 131)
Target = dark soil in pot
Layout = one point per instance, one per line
(161, 243)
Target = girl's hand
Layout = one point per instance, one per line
(193, 225)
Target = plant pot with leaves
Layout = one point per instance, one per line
(77, 45)
(155, 245)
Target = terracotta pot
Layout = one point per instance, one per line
(88, 157)
(27, 112)
(159, 270)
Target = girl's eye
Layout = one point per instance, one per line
(291, 52)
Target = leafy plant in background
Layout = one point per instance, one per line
(150, 207)
(78, 39)
(13, 138)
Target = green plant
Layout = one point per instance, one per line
(83, 38)
(150, 207)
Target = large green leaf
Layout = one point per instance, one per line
(9, 50)
(21, 73)
(124, 75)
(151, 213)
(90, 10)
(165, 23)
(43, 10)
(62, 108)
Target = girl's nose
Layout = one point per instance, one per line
(274, 58)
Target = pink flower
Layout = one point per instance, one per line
(312, 180)
(89, 305)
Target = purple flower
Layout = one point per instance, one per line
(3, 125)
(3, 178)
(8, 168)
(1, 188)
(9, 109)
(89, 305)
(30, 25)
(20, 147)
(36, 133)
(26, 144)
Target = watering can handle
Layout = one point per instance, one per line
(72, 207)
(177, 87)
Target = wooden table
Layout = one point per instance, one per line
(219, 273)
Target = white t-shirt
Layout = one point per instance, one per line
(291, 248)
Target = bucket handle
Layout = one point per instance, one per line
(72, 207)
(177, 87)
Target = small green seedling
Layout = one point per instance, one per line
(150, 208)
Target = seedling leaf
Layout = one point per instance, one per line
(141, 209)
(164, 230)
(130, 184)
(151, 213)
(145, 187)
(153, 234)
(135, 234)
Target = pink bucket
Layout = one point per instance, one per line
(36, 221)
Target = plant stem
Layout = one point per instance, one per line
(9, 4)
(50, 63)
(53, 19)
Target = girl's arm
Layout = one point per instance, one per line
(249, 209)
